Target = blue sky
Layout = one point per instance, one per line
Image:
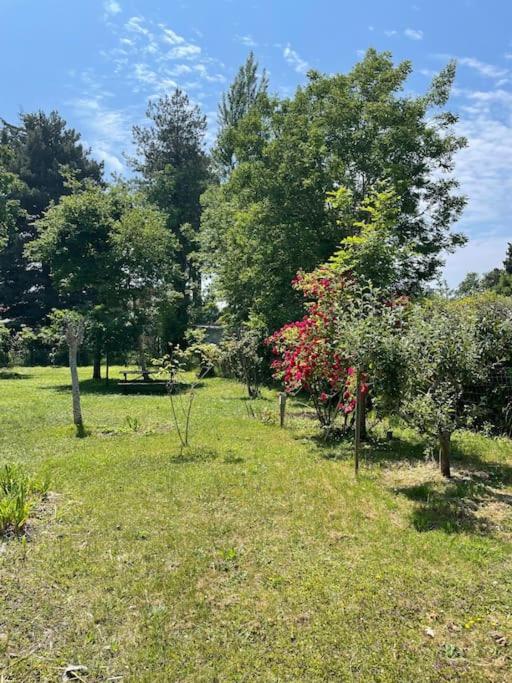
(99, 61)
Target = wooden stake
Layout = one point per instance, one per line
(359, 414)
(282, 408)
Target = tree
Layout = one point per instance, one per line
(36, 152)
(441, 356)
(173, 166)
(110, 257)
(270, 218)
(471, 284)
(242, 94)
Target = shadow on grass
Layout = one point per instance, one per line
(455, 506)
(9, 374)
(91, 386)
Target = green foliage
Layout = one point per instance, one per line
(39, 153)
(174, 171)
(241, 357)
(270, 220)
(17, 496)
(110, 256)
(490, 390)
(242, 94)
(372, 254)
(442, 355)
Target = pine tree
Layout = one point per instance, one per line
(174, 169)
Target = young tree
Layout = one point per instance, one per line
(173, 165)
(441, 356)
(270, 220)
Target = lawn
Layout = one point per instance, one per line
(254, 556)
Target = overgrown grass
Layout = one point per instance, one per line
(18, 494)
(252, 556)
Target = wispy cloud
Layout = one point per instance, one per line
(484, 69)
(413, 34)
(112, 7)
(246, 40)
(294, 60)
(107, 129)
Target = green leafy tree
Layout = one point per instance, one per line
(110, 256)
(441, 355)
(471, 284)
(270, 219)
(174, 169)
(36, 152)
(242, 94)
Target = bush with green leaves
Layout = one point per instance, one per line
(441, 356)
(5, 345)
(18, 493)
(242, 357)
(491, 391)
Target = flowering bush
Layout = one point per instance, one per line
(307, 353)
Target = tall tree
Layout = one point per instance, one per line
(235, 104)
(37, 152)
(110, 257)
(174, 167)
(270, 219)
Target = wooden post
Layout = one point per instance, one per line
(359, 414)
(282, 408)
(444, 453)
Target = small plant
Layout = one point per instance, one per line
(133, 423)
(181, 394)
(17, 492)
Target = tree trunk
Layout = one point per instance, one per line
(142, 358)
(75, 386)
(96, 368)
(444, 453)
(364, 405)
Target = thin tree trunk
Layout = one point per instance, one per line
(357, 437)
(96, 368)
(444, 453)
(75, 386)
(364, 433)
(142, 358)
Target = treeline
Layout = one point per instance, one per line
(197, 235)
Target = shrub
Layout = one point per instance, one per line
(18, 492)
(241, 357)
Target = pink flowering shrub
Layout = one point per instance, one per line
(306, 353)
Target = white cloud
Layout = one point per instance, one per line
(112, 7)
(295, 61)
(390, 33)
(184, 51)
(480, 255)
(136, 25)
(247, 40)
(169, 36)
(484, 69)
(106, 129)
(413, 34)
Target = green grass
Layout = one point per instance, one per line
(255, 556)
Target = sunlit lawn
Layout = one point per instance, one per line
(255, 556)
